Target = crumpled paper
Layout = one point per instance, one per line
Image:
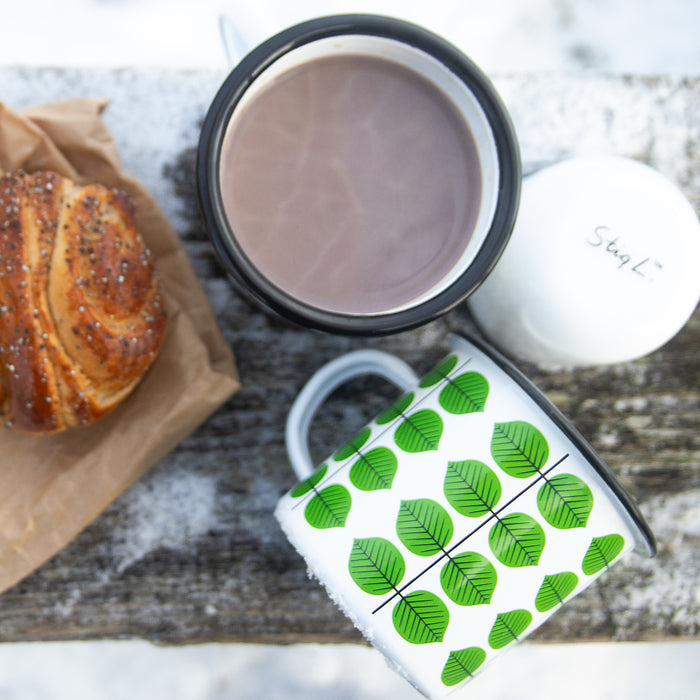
(51, 487)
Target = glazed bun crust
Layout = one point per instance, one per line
(81, 314)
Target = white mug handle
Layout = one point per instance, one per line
(323, 382)
(239, 31)
(235, 44)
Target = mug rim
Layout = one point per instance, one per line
(241, 270)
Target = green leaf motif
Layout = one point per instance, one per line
(309, 483)
(419, 432)
(376, 565)
(424, 526)
(462, 664)
(353, 447)
(601, 553)
(554, 590)
(438, 373)
(519, 448)
(396, 410)
(565, 501)
(517, 540)
(466, 393)
(329, 507)
(471, 488)
(421, 618)
(508, 627)
(374, 470)
(469, 579)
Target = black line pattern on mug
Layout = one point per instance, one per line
(494, 516)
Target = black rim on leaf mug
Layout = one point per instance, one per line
(251, 281)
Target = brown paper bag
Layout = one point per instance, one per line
(52, 486)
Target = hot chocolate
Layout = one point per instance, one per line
(352, 183)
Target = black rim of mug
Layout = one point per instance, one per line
(249, 279)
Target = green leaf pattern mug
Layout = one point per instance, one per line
(459, 519)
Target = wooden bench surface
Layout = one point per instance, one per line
(192, 553)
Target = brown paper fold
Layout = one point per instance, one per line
(52, 486)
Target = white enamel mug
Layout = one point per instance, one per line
(602, 266)
(457, 521)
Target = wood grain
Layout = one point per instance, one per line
(192, 553)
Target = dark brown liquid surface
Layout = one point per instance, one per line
(352, 183)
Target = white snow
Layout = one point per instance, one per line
(172, 511)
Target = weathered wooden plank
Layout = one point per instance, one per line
(192, 553)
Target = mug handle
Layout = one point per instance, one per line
(239, 33)
(320, 386)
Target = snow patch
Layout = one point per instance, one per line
(169, 510)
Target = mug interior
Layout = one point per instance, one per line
(468, 107)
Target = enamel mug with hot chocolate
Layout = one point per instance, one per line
(358, 174)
